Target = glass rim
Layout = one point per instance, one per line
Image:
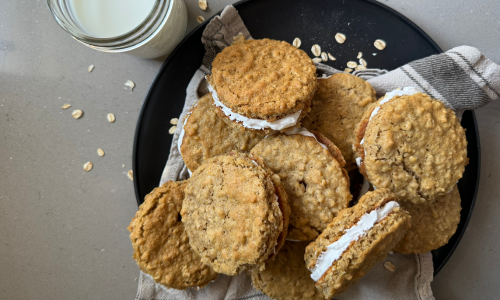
(146, 29)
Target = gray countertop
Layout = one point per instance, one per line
(63, 230)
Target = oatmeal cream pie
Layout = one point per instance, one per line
(161, 246)
(411, 144)
(358, 238)
(262, 85)
(286, 277)
(432, 224)
(235, 212)
(311, 170)
(337, 108)
(205, 135)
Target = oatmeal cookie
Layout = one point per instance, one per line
(337, 107)
(358, 238)
(412, 145)
(205, 135)
(263, 85)
(286, 277)
(432, 224)
(311, 170)
(235, 212)
(161, 246)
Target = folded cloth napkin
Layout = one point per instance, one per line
(462, 78)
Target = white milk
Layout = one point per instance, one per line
(110, 18)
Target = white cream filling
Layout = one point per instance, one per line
(303, 131)
(364, 188)
(181, 135)
(258, 124)
(334, 251)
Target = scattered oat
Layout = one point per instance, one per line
(324, 57)
(331, 57)
(100, 152)
(174, 121)
(111, 118)
(362, 61)
(317, 60)
(123, 166)
(130, 174)
(352, 64)
(200, 19)
(389, 266)
(374, 54)
(90, 68)
(316, 50)
(379, 44)
(130, 84)
(360, 54)
(66, 106)
(340, 38)
(88, 166)
(360, 67)
(77, 114)
(172, 129)
(202, 4)
(238, 38)
(297, 42)
(347, 70)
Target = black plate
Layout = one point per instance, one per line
(315, 22)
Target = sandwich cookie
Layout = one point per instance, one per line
(311, 170)
(413, 145)
(205, 135)
(262, 85)
(358, 238)
(235, 212)
(286, 277)
(432, 223)
(337, 108)
(161, 245)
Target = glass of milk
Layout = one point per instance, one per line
(145, 28)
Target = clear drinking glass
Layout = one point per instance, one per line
(157, 35)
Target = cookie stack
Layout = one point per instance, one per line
(269, 148)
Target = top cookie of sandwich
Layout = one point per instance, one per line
(161, 246)
(337, 107)
(311, 171)
(235, 212)
(264, 79)
(205, 135)
(413, 145)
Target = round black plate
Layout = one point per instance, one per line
(314, 22)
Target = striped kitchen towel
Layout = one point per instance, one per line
(462, 78)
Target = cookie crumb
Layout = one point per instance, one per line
(130, 175)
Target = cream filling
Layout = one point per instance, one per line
(287, 121)
(334, 251)
(303, 131)
(181, 135)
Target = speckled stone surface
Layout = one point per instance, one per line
(64, 231)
